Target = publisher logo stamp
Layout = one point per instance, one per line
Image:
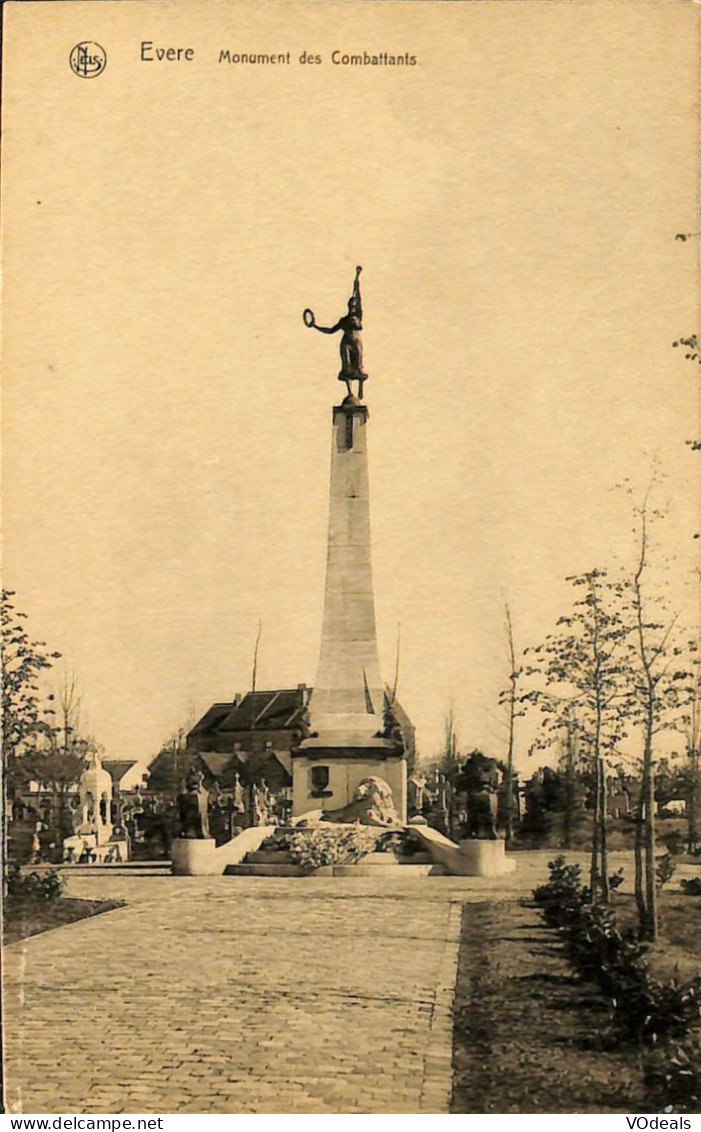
(88, 59)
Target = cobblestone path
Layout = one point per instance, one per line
(240, 995)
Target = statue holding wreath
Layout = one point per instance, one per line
(351, 345)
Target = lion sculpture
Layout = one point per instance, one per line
(371, 805)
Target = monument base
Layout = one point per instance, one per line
(194, 857)
(484, 858)
(342, 770)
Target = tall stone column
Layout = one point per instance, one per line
(347, 702)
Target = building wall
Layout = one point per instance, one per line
(137, 775)
(344, 776)
(260, 739)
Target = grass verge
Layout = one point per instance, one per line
(522, 1022)
(24, 918)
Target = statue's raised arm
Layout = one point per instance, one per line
(356, 294)
(351, 345)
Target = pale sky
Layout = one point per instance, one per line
(513, 200)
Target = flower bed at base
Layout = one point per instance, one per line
(314, 847)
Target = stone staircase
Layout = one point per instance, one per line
(279, 863)
(115, 868)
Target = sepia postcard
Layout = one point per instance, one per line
(350, 559)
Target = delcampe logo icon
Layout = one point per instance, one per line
(88, 59)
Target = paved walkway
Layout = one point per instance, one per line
(242, 995)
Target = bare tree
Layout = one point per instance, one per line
(448, 758)
(569, 770)
(663, 691)
(579, 675)
(509, 699)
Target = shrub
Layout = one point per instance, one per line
(673, 842)
(673, 1076)
(666, 869)
(316, 847)
(691, 887)
(646, 1009)
(562, 897)
(46, 886)
(598, 950)
(642, 1008)
(616, 880)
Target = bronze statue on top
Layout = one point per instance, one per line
(351, 345)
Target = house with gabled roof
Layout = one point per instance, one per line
(253, 736)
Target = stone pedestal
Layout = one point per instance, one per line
(193, 857)
(345, 769)
(474, 858)
(484, 858)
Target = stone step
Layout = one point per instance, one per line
(378, 861)
(375, 860)
(358, 870)
(391, 860)
(361, 869)
(269, 857)
(125, 867)
(264, 870)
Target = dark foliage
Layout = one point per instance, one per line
(25, 717)
(666, 868)
(673, 1076)
(46, 886)
(643, 1009)
(561, 899)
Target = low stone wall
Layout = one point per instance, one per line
(476, 858)
(201, 856)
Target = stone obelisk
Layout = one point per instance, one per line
(346, 704)
(350, 733)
